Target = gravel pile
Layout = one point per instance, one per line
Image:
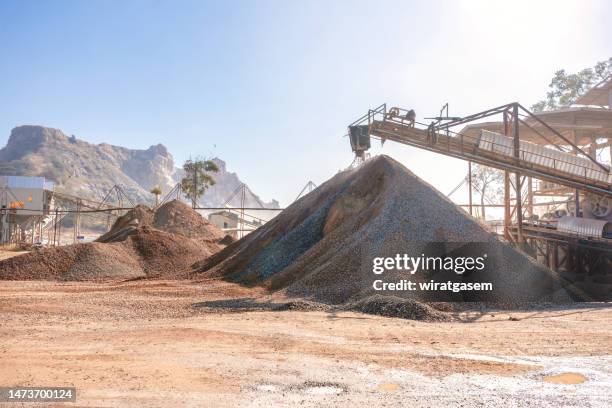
(148, 253)
(175, 217)
(64, 263)
(321, 247)
(392, 306)
(141, 244)
(139, 216)
(178, 218)
(252, 304)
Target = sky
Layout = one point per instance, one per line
(270, 86)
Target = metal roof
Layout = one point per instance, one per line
(26, 182)
(584, 122)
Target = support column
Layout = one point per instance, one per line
(576, 192)
(555, 257)
(593, 147)
(507, 220)
(517, 175)
(59, 233)
(519, 207)
(55, 226)
(507, 234)
(530, 198)
(470, 186)
(577, 203)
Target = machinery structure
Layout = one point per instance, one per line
(33, 212)
(25, 207)
(234, 217)
(547, 159)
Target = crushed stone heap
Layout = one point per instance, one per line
(141, 244)
(174, 216)
(178, 218)
(321, 247)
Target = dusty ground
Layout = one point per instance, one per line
(5, 254)
(144, 344)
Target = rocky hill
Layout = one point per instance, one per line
(89, 170)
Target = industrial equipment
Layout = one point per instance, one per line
(575, 239)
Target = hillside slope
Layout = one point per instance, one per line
(89, 170)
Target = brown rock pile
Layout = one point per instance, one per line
(178, 218)
(125, 225)
(140, 244)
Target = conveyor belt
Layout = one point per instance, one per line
(467, 149)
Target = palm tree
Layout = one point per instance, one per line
(156, 191)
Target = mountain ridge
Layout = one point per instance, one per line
(90, 170)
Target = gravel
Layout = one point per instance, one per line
(321, 247)
(174, 216)
(393, 306)
(178, 218)
(141, 215)
(141, 244)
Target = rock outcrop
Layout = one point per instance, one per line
(89, 170)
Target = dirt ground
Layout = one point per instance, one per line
(144, 343)
(6, 254)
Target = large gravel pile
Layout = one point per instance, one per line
(321, 247)
(141, 244)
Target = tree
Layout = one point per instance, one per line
(488, 182)
(566, 88)
(156, 191)
(197, 178)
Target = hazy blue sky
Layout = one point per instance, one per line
(269, 86)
